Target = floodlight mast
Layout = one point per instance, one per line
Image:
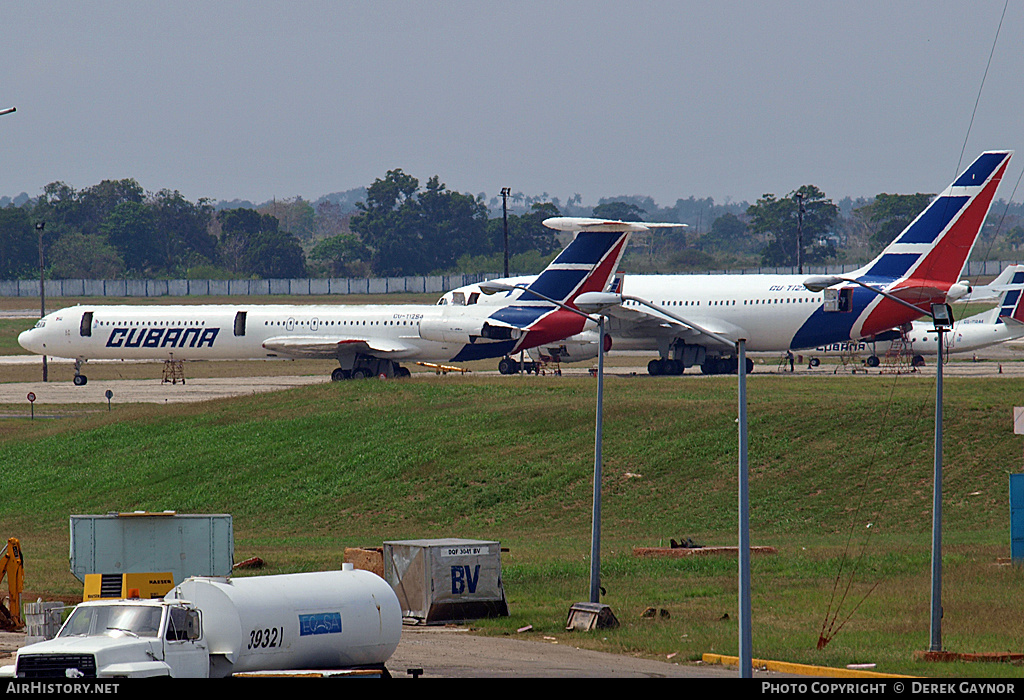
(606, 300)
(595, 529)
(942, 320)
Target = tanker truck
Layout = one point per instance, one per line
(212, 627)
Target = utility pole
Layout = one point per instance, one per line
(505, 192)
(40, 225)
(800, 209)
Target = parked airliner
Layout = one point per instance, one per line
(993, 291)
(776, 313)
(1003, 322)
(366, 340)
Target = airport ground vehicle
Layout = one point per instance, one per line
(12, 565)
(210, 627)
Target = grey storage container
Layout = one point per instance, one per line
(125, 543)
(445, 580)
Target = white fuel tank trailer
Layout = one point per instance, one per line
(214, 627)
(327, 619)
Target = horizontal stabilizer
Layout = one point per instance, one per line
(576, 223)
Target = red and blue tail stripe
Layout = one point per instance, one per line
(585, 265)
(921, 264)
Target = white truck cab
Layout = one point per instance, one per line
(120, 639)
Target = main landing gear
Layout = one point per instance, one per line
(724, 365)
(711, 365)
(507, 365)
(365, 367)
(665, 366)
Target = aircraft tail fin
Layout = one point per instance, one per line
(589, 262)
(1011, 298)
(926, 260)
(935, 246)
(1011, 275)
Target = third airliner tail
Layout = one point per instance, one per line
(1011, 299)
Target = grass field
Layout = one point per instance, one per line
(840, 474)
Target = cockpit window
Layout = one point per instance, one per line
(40, 324)
(473, 298)
(458, 299)
(137, 620)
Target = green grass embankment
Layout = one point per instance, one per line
(840, 479)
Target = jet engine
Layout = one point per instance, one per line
(467, 329)
(582, 346)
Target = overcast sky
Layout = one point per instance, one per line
(254, 100)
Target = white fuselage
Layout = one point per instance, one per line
(215, 332)
(968, 335)
(771, 309)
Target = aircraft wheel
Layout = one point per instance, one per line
(873, 361)
(402, 372)
(80, 380)
(361, 373)
(814, 362)
(339, 375)
(655, 368)
(918, 361)
(507, 365)
(750, 365)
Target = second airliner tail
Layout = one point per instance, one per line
(925, 262)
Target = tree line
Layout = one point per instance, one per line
(397, 226)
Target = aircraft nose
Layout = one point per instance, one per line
(30, 341)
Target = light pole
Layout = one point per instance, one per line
(601, 301)
(505, 192)
(800, 209)
(595, 527)
(942, 319)
(40, 225)
(746, 641)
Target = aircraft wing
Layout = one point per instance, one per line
(328, 347)
(641, 322)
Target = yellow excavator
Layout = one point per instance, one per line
(12, 565)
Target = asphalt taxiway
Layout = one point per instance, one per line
(153, 390)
